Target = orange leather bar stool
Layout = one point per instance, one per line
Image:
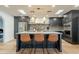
(52, 38)
(38, 39)
(25, 39)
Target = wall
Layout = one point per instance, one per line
(8, 26)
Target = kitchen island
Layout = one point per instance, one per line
(58, 43)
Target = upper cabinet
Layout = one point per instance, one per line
(21, 23)
(55, 21)
(23, 18)
(70, 15)
(67, 18)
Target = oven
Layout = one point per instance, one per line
(67, 33)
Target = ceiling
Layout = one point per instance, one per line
(38, 10)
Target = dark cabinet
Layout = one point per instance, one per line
(55, 21)
(21, 23)
(71, 26)
(67, 18)
(75, 30)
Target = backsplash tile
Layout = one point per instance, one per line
(43, 27)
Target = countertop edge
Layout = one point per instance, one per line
(38, 32)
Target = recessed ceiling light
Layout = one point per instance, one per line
(59, 11)
(22, 11)
(6, 6)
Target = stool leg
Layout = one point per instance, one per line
(43, 44)
(29, 44)
(34, 44)
(26, 46)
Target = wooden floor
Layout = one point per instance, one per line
(10, 48)
(68, 48)
(38, 51)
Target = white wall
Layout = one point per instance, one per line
(8, 26)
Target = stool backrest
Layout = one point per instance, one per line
(25, 37)
(53, 37)
(39, 37)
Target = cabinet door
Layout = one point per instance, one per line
(56, 22)
(21, 26)
(68, 18)
(53, 21)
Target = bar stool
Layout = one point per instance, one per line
(26, 40)
(52, 39)
(38, 39)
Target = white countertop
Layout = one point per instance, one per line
(38, 32)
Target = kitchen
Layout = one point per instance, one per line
(56, 23)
